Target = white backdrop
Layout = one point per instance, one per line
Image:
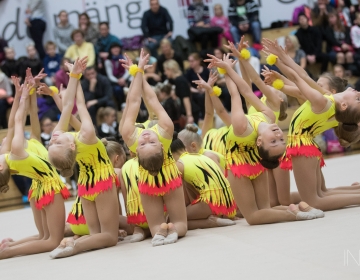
(124, 15)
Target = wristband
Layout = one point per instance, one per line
(216, 91)
(222, 71)
(54, 90)
(76, 76)
(271, 59)
(245, 54)
(135, 69)
(278, 84)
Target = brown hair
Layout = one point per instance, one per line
(62, 11)
(87, 17)
(349, 116)
(338, 25)
(336, 83)
(195, 55)
(77, 31)
(189, 135)
(4, 176)
(166, 89)
(50, 43)
(64, 163)
(113, 148)
(283, 107)
(266, 160)
(105, 111)
(348, 134)
(153, 163)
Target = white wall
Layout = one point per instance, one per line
(123, 15)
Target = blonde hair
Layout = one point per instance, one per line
(173, 65)
(64, 162)
(218, 6)
(113, 148)
(294, 40)
(283, 107)
(165, 42)
(189, 135)
(153, 163)
(104, 112)
(4, 177)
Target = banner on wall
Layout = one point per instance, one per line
(124, 16)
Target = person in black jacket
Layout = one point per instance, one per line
(167, 52)
(170, 105)
(310, 39)
(97, 91)
(156, 25)
(10, 66)
(32, 61)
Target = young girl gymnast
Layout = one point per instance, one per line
(96, 184)
(254, 142)
(207, 192)
(159, 179)
(47, 192)
(319, 113)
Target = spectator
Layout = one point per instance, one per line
(32, 61)
(97, 92)
(109, 125)
(47, 127)
(355, 33)
(294, 51)
(167, 52)
(62, 32)
(151, 75)
(89, 29)
(3, 46)
(80, 48)
(170, 105)
(182, 90)
(52, 62)
(319, 14)
(116, 73)
(5, 98)
(36, 24)
(339, 71)
(310, 40)
(338, 40)
(104, 42)
(222, 21)
(61, 76)
(191, 75)
(10, 66)
(344, 13)
(47, 108)
(199, 21)
(156, 25)
(244, 18)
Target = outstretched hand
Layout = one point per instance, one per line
(79, 65)
(269, 75)
(236, 51)
(272, 47)
(44, 89)
(127, 62)
(16, 83)
(35, 80)
(143, 59)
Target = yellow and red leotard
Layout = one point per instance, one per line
(215, 140)
(252, 110)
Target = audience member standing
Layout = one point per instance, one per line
(167, 52)
(156, 25)
(90, 29)
(36, 23)
(62, 32)
(80, 48)
(97, 91)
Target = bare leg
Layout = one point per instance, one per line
(67, 230)
(274, 201)
(55, 220)
(198, 211)
(353, 189)
(125, 226)
(308, 181)
(282, 179)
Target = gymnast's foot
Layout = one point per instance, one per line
(355, 184)
(304, 207)
(7, 240)
(293, 209)
(65, 249)
(159, 237)
(172, 235)
(221, 222)
(122, 234)
(138, 235)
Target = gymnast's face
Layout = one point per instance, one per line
(271, 138)
(61, 141)
(148, 143)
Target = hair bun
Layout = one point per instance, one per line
(175, 136)
(192, 128)
(67, 172)
(104, 141)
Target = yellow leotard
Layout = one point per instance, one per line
(215, 140)
(222, 161)
(46, 181)
(252, 110)
(169, 177)
(96, 171)
(37, 148)
(242, 156)
(76, 219)
(208, 179)
(304, 126)
(134, 209)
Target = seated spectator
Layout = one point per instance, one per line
(156, 25)
(47, 127)
(310, 40)
(319, 14)
(105, 41)
(80, 48)
(196, 68)
(199, 21)
(10, 66)
(5, 98)
(244, 18)
(182, 90)
(116, 73)
(170, 105)
(338, 41)
(89, 29)
(47, 108)
(219, 19)
(62, 32)
(52, 61)
(355, 39)
(294, 51)
(61, 76)
(32, 61)
(344, 13)
(339, 71)
(3, 46)
(109, 125)
(97, 91)
(167, 52)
